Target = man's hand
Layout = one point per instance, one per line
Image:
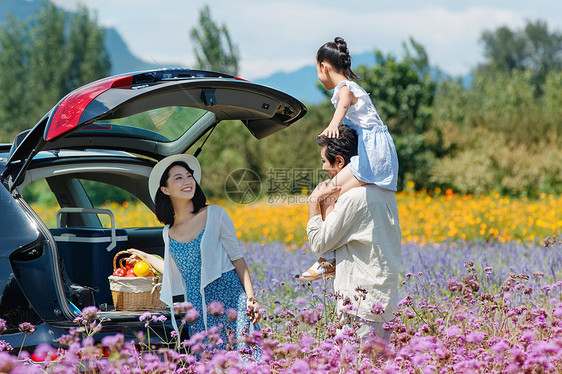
(323, 190)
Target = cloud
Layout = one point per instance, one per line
(278, 36)
(286, 39)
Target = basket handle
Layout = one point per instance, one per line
(115, 259)
(129, 254)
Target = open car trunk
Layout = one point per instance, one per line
(154, 114)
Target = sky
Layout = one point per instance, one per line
(283, 36)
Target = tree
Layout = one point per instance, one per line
(503, 131)
(213, 47)
(44, 59)
(534, 48)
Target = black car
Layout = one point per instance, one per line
(108, 133)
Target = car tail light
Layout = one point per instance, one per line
(70, 109)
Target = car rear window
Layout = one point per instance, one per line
(164, 124)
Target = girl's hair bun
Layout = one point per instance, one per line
(342, 45)
(343, 51)
(337, 54)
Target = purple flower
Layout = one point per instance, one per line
(460, 316)
(90, 313)
(2, 325)
(453, 331)
(191, 315)
(300, 301)
(7, 362)
(500, 346)
(300, 366)
(377, 308)
(182, 307)
(452, 285)
(475, 337)
(42, 351)
(88, 341)
(309, 316)
(113, 341)
(527, 336)
(232, 314)
(409, 313)
(27, 327)
(5, 346)
(215, 308)
(425, 343)
(145, 316)
(407, 301)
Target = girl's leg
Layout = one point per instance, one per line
(330, 256)
(326, 264)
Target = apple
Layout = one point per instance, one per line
(130, 273)
(119, 272)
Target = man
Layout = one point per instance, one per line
(364, 231)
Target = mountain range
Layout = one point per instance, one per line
(301, 83)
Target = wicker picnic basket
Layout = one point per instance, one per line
(134, 293)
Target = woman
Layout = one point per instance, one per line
(202, 258)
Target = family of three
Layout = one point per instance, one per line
(353, 220)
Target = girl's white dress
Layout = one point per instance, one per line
(376, 161)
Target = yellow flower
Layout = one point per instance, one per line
(424, 218)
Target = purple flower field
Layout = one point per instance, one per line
(465, 308)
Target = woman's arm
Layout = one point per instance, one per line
(156, 262)
(244, 275)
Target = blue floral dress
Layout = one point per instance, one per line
(227, 289)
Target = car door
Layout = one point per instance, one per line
(26, 267)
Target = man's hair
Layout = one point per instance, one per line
(344, 145)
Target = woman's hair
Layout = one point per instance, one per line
(163, 204)
(345, 145)
(337, 54)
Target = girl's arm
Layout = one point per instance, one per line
(244, 275)
(346, 100)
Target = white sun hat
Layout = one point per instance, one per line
(162, 165)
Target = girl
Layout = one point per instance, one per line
(376, 161)
(202, 258)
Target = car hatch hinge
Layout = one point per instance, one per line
(198, 150)
(12, 183)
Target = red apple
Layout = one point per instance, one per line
(119, 272)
